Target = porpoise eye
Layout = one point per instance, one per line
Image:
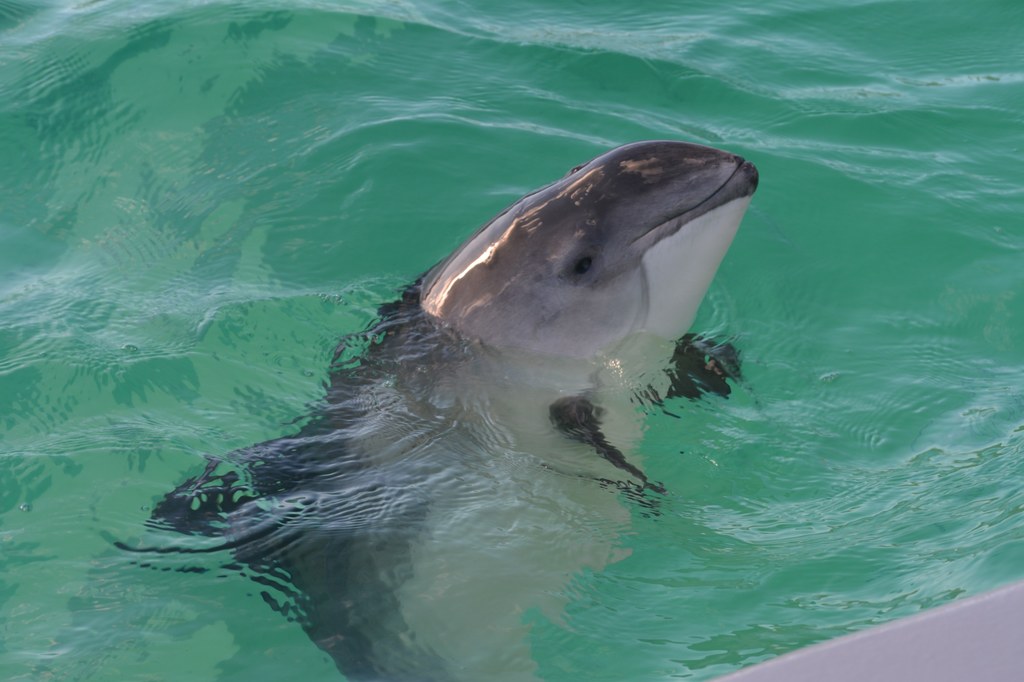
(582, 265)
(576, 169)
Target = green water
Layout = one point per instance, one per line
(198, 199)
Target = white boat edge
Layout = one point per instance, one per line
(977, 639)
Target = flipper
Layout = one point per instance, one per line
(327, 539)
(700, 365)
(578, 418)
(203, 504)
(200, 505)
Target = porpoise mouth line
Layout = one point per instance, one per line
(695, 207)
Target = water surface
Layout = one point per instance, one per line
(198, 200)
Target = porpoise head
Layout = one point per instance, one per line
(628, 242)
